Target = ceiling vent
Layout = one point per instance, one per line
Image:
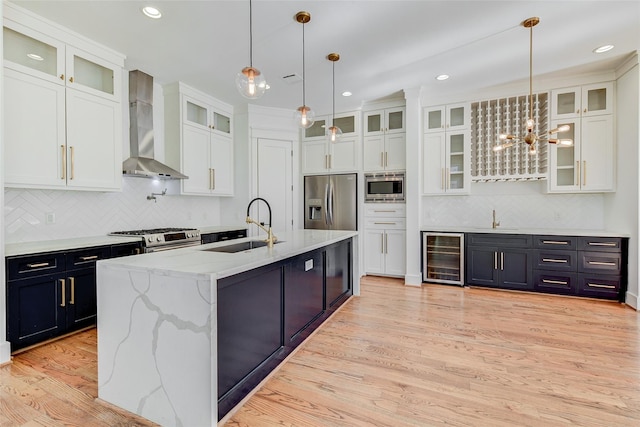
(291, 78)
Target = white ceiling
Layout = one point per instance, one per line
(385, 46)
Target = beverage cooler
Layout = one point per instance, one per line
(443, 257)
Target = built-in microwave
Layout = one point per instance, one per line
(384, 187)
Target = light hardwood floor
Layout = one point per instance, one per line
(398, 356)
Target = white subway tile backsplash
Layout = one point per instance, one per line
(84, 213)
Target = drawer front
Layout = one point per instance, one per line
(378, 210)
(87, 257)
(126, 249)
(501, 240)
(600, 244)
(23, 267)
(385, 223)
(566, 243)
(555, 282)
(593, 285)
(599, 262)
(556, 260)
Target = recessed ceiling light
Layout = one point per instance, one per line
(35, 57)
(152, 12)
(346, 93)
(442, 77)
(602, 49)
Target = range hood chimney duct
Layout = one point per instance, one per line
(142, 162)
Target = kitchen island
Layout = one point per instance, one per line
(183, 335)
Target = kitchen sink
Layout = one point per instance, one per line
(239, 247)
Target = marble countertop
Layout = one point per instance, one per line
(222, 228)
(196, 260)
(26, 248)
(536, 231)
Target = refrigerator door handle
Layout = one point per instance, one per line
(330, 204)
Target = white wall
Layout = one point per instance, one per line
(520, 204)
(621, 207)
(4, 345)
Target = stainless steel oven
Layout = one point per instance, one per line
(384, 187)
(163, 239)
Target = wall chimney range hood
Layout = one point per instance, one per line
(142, 162)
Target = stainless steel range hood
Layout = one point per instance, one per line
(142, 162)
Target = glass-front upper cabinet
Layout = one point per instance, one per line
(33, 53)
(201, 114)
(446, 117)
(582, 101)
(391, 120)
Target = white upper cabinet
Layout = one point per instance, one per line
(384, 140)
(319, 155)
(582, 101)
(446, 148)
(199, 140)
(589, 165)
(446, 117)
(63, 112)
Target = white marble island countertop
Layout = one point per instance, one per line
(198, 260)
(515, 230)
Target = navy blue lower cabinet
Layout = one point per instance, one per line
(81, 301)
(303, 294)
(555, 282)
(250, 331)
(36, 309)
(498, 267)
(338, 273)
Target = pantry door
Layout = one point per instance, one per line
(275, 184)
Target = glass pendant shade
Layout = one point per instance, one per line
(334, 133)
(305, 117)
(251, 83)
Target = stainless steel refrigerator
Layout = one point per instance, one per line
(331, 202)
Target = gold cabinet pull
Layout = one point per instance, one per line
(577, 172)
(72, 281)
(73, 162)
(382, 158)
(442, 179)
(495, 260)
(501, 261)
(213, 179)
(71, 79)
(612, 244)
(555, 260)
(599, 285)
(210, 179)
(386, 158)
(38, 265)
(555, 282)
(608, 264)
(64, 162)
(382, 243)
(584, 172)
(330, 162)
(88, 258)
(554, 242)
(448, 176)
(63, 301)
(385, 223)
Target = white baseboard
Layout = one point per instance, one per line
(631, 300)
(5, 352)
(413, 279)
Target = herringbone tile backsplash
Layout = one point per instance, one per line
(85, 213)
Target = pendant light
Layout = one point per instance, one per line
(250, 81)
(334, 133)
(305, 117)
(530, 137)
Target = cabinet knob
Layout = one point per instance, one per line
(71, 79)
(585, 110)
(61, 76)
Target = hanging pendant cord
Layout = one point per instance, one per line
(304, 80)
(531, 72)
(333, 93)
(250, 35)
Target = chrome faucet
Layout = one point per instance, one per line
(271, 238)
(494, 224)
